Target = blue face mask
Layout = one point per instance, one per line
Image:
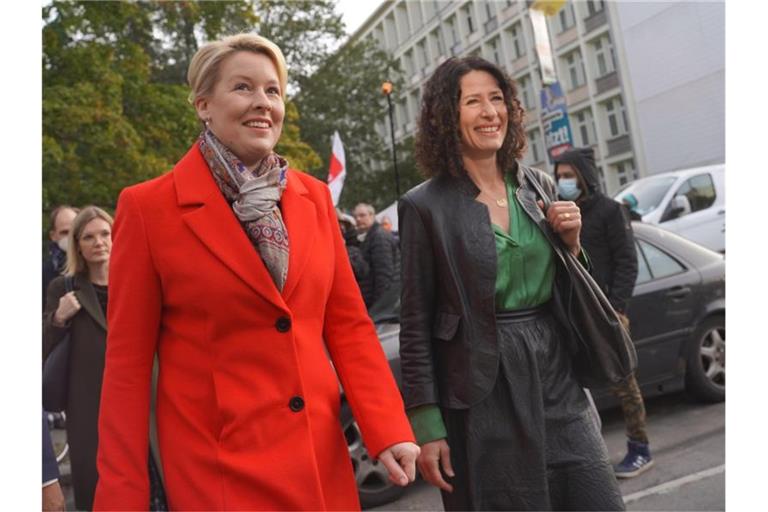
(568, 188)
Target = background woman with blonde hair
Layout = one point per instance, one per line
(81, 313)
(232, 267)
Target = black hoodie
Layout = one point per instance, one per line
(606, 233)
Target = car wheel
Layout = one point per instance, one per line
(372, 478)
(705, 369)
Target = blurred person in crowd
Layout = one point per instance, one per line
(607, 237)
(53, 498)
(630, 202)
(60, 225)
(81, 313)
(487, 376)
(233, 268)
(386, 224)
(380, 250)
(360, 267)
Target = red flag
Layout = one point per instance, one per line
(337, 169)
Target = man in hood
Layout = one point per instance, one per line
(606, 235)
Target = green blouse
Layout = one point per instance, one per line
(525, 268)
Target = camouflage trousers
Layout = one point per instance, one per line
(632, 406)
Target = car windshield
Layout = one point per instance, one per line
(648, 192)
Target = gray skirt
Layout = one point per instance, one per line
(533, 443)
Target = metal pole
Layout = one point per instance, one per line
(387, 90)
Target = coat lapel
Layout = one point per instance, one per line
(300, 217)
(212, 221)
(86, 295)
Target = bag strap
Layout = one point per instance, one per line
(535, 182)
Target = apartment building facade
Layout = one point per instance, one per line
(644, 81)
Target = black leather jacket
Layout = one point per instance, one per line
(448, 346)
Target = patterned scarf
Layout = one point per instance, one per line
(253, 196)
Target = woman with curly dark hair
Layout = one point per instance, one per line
(486, 358)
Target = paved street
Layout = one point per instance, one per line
(688, 445)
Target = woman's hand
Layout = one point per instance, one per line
(68, 307)
(565, 219)
(400, 461)
(434, 455)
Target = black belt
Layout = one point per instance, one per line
(523, 314)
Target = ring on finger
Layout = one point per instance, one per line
(567, 215)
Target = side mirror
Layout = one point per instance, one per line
(680, 206)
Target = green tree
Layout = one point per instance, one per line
(344, 94)
(115, 109)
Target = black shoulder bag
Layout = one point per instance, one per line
(56, 369)
(606, 355)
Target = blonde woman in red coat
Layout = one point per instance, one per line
(232, 267)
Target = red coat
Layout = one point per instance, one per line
(248, 401)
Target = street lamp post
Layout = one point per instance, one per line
(386, 90)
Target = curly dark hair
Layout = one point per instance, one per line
(438, 145)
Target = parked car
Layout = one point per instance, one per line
(689, 202)
(677, 316)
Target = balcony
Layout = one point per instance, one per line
(520, 64)
(565, 37)
(596, 20)
(510, 11)
(618, 145)
(577, 95)
(607, 82)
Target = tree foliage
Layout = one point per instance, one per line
(345, 95)
(115, 109)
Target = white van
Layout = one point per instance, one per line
(689, 202)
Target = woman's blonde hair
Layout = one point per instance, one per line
(76, 264)
(203, 72)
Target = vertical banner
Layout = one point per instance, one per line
(543, 47)
(554, 117)
(337, 168)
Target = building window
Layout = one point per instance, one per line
(518, 44)
(467, 9)
(584, 124)
(626, 171)
(616, 117)
(430, 9)
(452, 29)
(405, 115)
(391, 31)
(423, 53)
(566, 18)
(413, 9)
(437, 41)
(525, 86)
(601, 176)
(493, 51)
(408, 64)
(594, 7)
(415, 105)
(575, 69)
(605, 58)
(404, 21)
(488, 13)
(535, 150)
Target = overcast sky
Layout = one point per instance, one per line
(355, 12)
